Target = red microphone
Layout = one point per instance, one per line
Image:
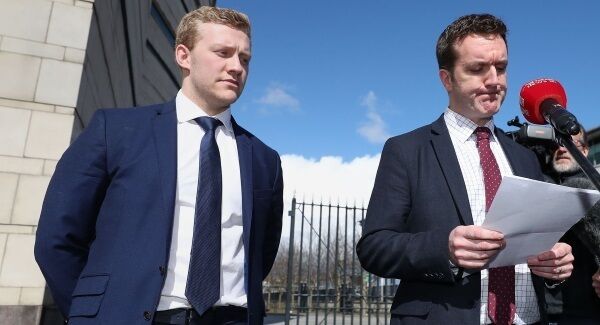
(543, 101)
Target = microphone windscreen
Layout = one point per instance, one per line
(534, 93)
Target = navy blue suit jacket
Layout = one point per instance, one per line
(105, 229)
(419, 196)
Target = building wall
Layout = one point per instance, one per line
(60, 61)
(594, 143)
(42, 49)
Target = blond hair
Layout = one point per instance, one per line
(187, 31)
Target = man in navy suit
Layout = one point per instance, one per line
(433, 188)
(171, 213)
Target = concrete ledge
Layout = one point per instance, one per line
(15, 229)
(21, 165)
(21, 46)
(74, 55)
(26, 105)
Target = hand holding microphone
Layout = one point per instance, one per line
(543, 101)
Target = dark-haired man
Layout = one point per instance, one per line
(423, 224)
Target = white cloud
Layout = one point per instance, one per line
(276, 96)
(327, 180)
(374, 129)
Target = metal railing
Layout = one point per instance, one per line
(320, 270)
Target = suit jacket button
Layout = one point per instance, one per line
(147, 315)
(162, 270)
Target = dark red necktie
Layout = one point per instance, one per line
(501, 286)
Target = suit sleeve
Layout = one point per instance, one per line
(273, 233)
(390, 247)
(69, 211)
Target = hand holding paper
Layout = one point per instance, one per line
(555, 264)
(471, 247)
(533, 215)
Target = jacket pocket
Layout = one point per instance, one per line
(412, 308)
(88, 295)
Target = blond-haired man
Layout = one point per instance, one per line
(171, 213)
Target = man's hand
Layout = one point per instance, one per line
(471, 247)
(596, 282)
(555, 264)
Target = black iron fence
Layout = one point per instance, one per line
(319, 269)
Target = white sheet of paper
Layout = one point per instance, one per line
(533, 215)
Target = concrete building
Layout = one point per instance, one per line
(594, 143)
(60, 61)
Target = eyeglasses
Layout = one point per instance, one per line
(576, 142)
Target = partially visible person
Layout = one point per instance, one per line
(596, 282)
(576, 301)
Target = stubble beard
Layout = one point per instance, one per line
(570, 167)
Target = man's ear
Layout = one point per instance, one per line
(446, 78)
(585, 151)
(182, 56)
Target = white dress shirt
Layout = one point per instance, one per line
(464, 140)
(189, 136)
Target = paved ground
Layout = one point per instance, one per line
(340, 319)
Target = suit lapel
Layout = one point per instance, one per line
(446, 157)
(508, 146)
(165, 140)
(244, 147)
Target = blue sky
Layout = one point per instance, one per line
(336, 78)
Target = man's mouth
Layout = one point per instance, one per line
(493, 95)
(232, 82)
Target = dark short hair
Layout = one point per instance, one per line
(481, 24)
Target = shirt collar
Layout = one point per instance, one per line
(462, 128)
(188, 110)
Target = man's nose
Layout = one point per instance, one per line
(492, 77)
(561, 149)
(234, 65)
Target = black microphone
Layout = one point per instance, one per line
(561, 119)
(543, 101)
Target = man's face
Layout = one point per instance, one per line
(218, 66)
(477, 84)
(563, 161)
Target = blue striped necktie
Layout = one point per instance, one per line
(203, 283)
